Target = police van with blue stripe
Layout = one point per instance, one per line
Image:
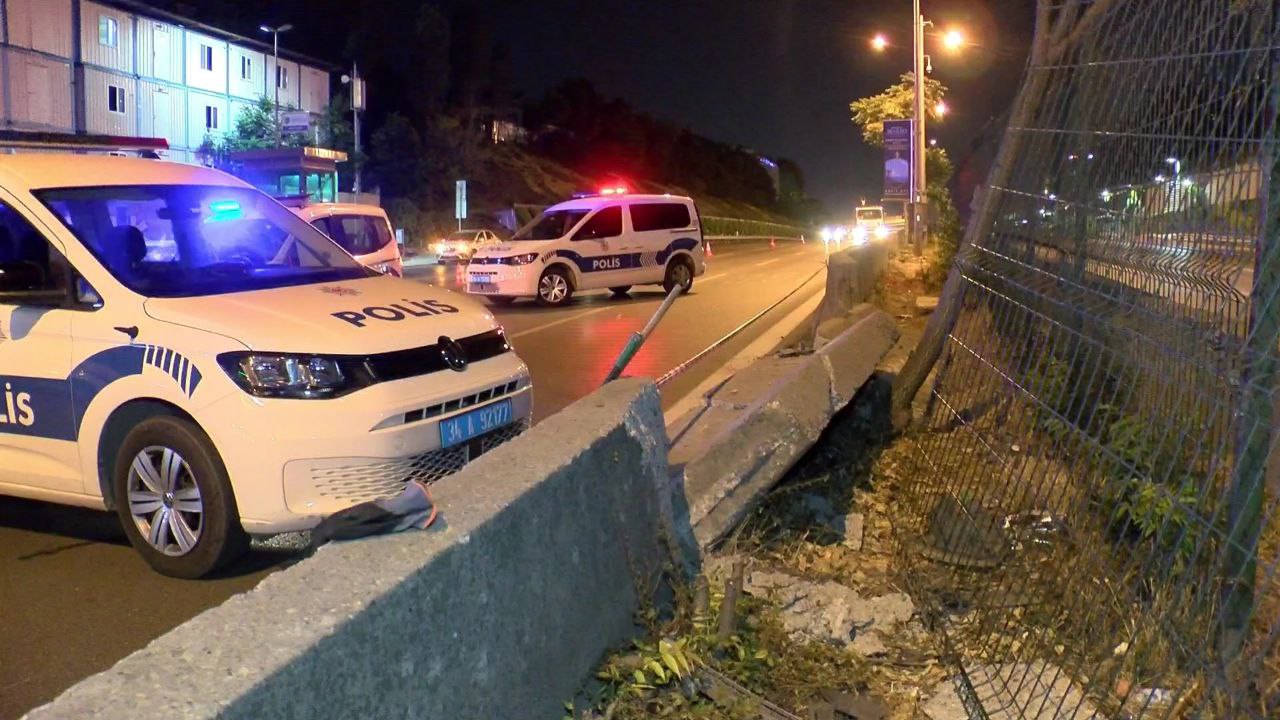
(179, 347)
(614, 240)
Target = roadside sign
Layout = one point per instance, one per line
(357, 94)
(295, 121)
(897, 159)
(460, 200)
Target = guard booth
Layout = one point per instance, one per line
(290, 172)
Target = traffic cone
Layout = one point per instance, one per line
(706, 250)
(773, 243)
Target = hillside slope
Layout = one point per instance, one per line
(514, 176)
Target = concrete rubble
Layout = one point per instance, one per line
(927, 303)
(832, 612)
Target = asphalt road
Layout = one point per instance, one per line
(74, 598)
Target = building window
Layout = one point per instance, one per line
(206, 57)
(246, 68)
(115, 99)
(210, 117)
(282, 77)
(108, 31)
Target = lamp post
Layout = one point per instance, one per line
(357, 104)
(952, 40)
(918, 195)
(275, 54)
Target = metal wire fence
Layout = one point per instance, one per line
(1091, 526)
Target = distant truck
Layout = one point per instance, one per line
(868, 222)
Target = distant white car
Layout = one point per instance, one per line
(461, 245)
(362, 230)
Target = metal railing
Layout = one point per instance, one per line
(1090, 527)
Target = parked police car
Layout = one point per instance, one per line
(613, 240)
(362, 230)
(180, 347)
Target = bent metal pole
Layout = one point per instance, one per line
(637, 338)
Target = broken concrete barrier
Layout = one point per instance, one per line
(548, 546)
(750, 430)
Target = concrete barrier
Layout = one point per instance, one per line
(741, 437)
(852, 275)
(549, 545)
(749, 431)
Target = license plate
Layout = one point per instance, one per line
(481, 279)
(468, 425)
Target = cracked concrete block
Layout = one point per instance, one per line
(852, 357)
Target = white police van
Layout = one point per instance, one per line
(182, 348)
(612, 240)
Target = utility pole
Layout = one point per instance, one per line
(357, 104)
(919, 226)
(275, 54)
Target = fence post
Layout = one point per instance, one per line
(1256, 434)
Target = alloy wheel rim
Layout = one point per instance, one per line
(682, 276)
(165, 501)
(553, 288)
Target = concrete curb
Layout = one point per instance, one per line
(551, 544)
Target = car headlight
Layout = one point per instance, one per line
(882, 231)
(860, 233)
(524, 259)
(290, 376)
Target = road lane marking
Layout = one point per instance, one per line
(561, 321)
(766, 262)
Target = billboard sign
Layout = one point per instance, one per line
(295, 121)
(460, 200)
(897, 159)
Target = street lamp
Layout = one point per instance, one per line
(275, 54)
(952, 40)
(941, 108)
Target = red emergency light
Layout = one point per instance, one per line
(613, 190)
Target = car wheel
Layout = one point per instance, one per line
(679, 272)
(554, 287)
(174, 499)
(621, 290)
(501, 300)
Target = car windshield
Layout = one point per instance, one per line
(357, 234)
(550, 225)
(870, 214)
(460, 235)
(195, 240)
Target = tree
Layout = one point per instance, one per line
(395, 158)
(896, 101)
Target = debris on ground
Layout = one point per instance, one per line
(927, 303)
(831, 612)
(1014, 691)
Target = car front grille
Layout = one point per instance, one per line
(352, 484)
(466, 401)
(400, 364)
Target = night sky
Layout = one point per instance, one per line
(774, 75)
